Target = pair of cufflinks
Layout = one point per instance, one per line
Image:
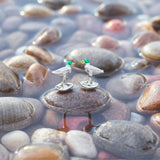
(88, 84)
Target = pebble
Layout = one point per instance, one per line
(88, 101)
(138, 118)
(54, 4)
(36, 11)
(3, 44)
(6, 53)
(81, 144)
(104, 59)
(149, 102)
(106, 42)
(41, 54)
(12, 23)
(156, 23)
(19, 38)
(151, 51)
(70, 9)
(48, 135)
(126, 139)
(79, 158)
(4, 154)
(42, 151)
(126, 86)
(51, 119)
(10, 83)
(144, 38)
(107, 11)
(13, 140)
(155, 122)
(20, 63)
(47, 36)
(36, 26)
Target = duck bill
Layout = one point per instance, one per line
(83, 62)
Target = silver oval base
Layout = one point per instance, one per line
(64, 87)
(89, 86)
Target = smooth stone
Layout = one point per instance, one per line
(81, 144)
(48, 135)
(36, 74)
(70, 9)
(36, 11)
(83, 101)
(116, 111)
(10, 83)
(51, 119)
(20, 63)
(3, 44)
(133, 64)
(11, 23)
(79, 158)
(151, 51)
(144, 38)
(106, 42)
(19, 38)
(55, 4)
(13, 140)
(127, 86)
(126, 139)
(41, 54)
(156, 24)
(90, 21)
(47, 37)
(135, 117)
(4, 154)
(16, 113)
(155, 122)
(98, 57)
(42, 151)
(102, 155)
(6, 53)
(149, 101)
(107, 11)
(32, 26)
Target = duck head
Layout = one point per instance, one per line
(85, 61)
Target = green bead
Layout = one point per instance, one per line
(69, 62)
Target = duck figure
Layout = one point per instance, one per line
(91, 70)
(64, 71)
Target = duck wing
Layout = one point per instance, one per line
(93, 69)
(62, 71)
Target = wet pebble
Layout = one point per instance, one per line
(155, 122)
(13, 140)
(4, 154)
(88, 101)
(144, 38)
(151, 51)
(126, 139)
(135, 64)
(102, 155)
(127, 86)
(75, 123)
(47, 36)
(36, 26)
(70, 9)
(51, 119)
(156, 23)
(10, 83)
(116, 111)
(45, 151)
(79, 158)
(98, 57)
(16, 113)
(116, 28)
(11, 23)
(36, 74)
(149, 102)
(106, 42)
(48, 135)
(138, 118)
(20, 63)
(81, 144)
(36, 11)
(41, 54)
(113, 10)
(54, 4)
(19, 38)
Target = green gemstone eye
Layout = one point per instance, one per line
(69, 62)
(86, 60)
